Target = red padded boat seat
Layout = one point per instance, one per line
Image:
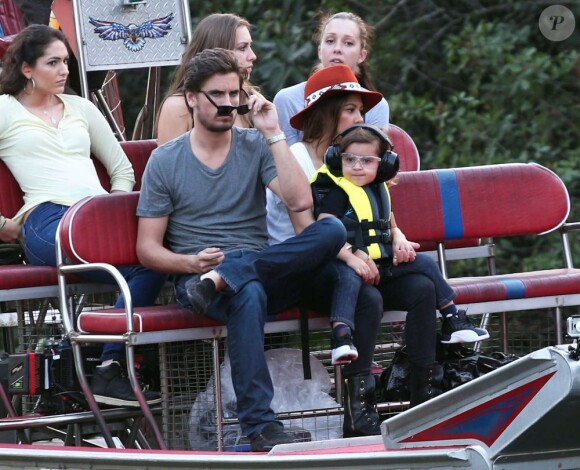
(161, 318)
(405, 148)
(547, 283)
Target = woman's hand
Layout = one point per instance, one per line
(10, 232)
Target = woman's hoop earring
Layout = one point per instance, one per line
(33, 86)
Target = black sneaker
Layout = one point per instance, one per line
(200, 293)
(271, 435)
(459, 329)
(343, 351)
(111, 387)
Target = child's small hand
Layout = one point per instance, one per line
(360, 267)
(375, 276)
(404, 252)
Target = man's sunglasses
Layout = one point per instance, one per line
(225, 110)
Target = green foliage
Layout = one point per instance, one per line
(283, 49)
(473, 81)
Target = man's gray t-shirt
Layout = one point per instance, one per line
(223, 207)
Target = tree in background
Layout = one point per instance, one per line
(473, 81)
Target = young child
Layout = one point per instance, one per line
(351, 186)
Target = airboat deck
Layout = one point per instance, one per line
(521, 416)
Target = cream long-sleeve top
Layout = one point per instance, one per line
(54, 164)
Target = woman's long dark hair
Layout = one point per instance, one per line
(27, 47)
(321, 120)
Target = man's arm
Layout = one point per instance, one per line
(291, 184)
(301, 220)
(154, 255)
(284, 102)
(151, 252)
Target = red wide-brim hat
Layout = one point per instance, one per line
(331, 81)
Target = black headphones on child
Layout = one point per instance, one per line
(388, 166)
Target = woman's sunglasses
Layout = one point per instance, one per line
(225, 110)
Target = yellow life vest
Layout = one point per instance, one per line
(369, 228)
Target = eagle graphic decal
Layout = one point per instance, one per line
(133, 36)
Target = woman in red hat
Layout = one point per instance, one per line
(335, 100)
(343, 39)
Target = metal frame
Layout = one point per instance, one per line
(82, 43)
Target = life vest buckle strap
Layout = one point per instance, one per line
(381, 224)
(384, 224)
(383, 237)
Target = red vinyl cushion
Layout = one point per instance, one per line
(156, 318)
(417, 206)
(138, 153)
(115, 214)
(21, 276)
(489, 205)
(405, 148)
(547, 283)
(11, 18)
(11, 197)
(546, 199)
(25, 276)
(160, 318)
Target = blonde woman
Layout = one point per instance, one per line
(223, 30)
(343, 39)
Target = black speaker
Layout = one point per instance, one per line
(388, 166)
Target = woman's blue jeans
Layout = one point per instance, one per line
(419, 288)
(39, 233)
(424, 264)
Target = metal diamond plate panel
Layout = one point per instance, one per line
(113, 36)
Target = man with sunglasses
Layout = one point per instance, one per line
(202, 210)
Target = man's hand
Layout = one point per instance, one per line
(264, 115)
(207, 259)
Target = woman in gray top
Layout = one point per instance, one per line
(343, 39)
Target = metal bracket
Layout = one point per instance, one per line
(131, 5)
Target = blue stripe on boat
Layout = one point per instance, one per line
(515, 288)
(452, 220)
